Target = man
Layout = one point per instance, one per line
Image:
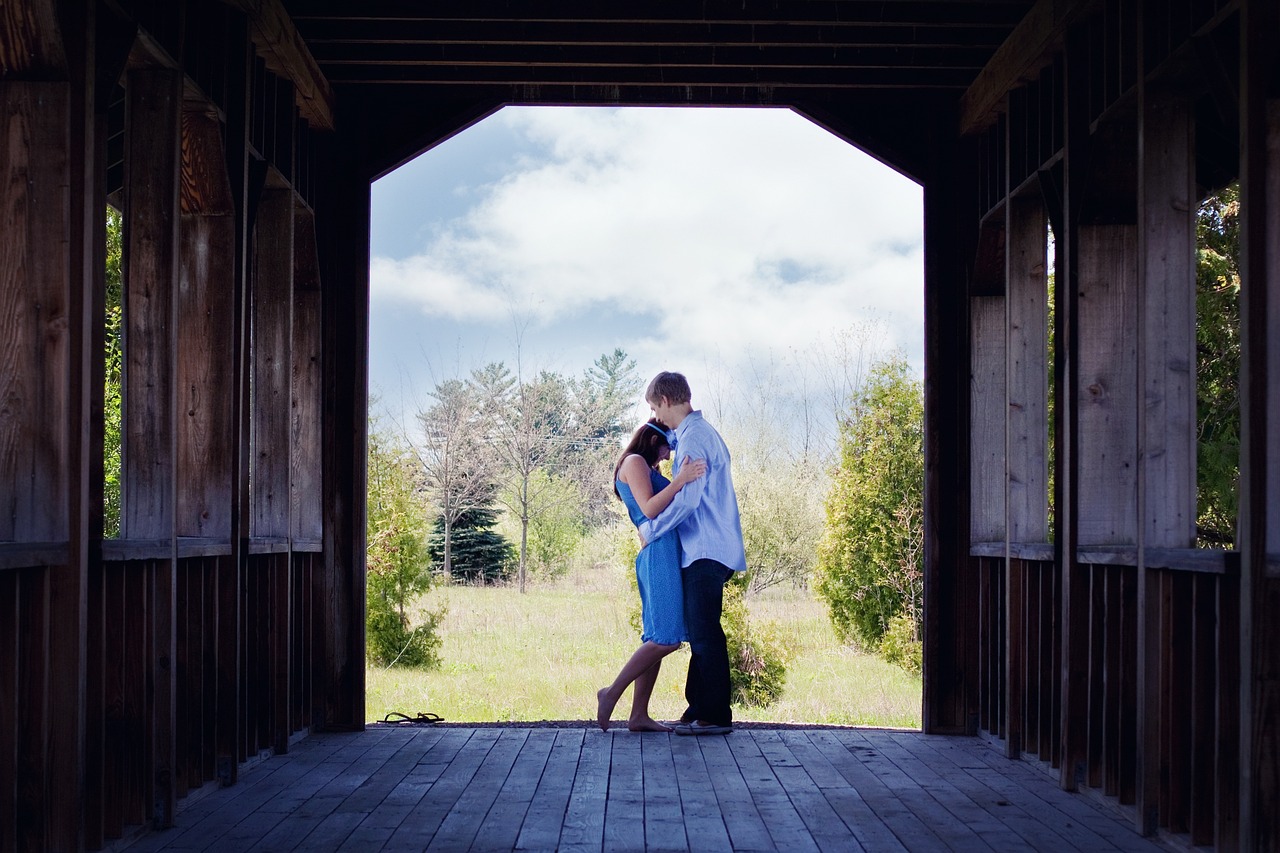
(705, 514)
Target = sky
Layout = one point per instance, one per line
(730, 245)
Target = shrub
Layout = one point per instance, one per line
(398, 566)
(901, 644)
(757, 659)
(869, 562)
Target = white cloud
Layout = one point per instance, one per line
(714, 234)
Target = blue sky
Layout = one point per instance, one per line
(728, 244)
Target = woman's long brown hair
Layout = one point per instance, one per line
(647, 443)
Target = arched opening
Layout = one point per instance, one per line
(771, 262)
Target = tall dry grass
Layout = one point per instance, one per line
(542, 655)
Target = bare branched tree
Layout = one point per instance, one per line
(457, 465)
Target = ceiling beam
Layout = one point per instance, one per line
(533, 56)
(285, 52)
(595, 75)
(1028, 49)
(685, 33)
(958, 12)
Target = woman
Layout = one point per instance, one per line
(646, 493)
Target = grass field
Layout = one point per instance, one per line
(542, 655)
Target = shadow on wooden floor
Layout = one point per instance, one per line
(540, 789)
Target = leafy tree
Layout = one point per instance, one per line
(554, 533)
(480, 553)
(398, 565)
(780, 501)
(1218, 367)
(602, 400)
(456, 466)
(530, 428)
(868, 570)
(114, 356)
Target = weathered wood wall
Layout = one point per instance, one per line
(1066, 612)
(136, 669)
(1111, 647)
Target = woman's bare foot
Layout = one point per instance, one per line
(646, 724)
(604, 708)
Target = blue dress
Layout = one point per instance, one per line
(658, 574)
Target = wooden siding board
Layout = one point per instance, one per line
(34, 321)
(150, 248)
(33, 800)
(1204, 722)
(272, 330)
(1028, 392)
(205, 440)
(10, 643)
(306, 481)
(1107, 388)
(987, 410)
(1167, 201)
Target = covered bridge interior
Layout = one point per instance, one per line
(238, 140)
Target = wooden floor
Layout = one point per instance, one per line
(492, 789)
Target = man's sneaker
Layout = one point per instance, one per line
(697, 727)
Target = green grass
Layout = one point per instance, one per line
(542, 655)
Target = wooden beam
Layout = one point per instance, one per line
(30, 43)
(272, 327)
(34, 343)
(1028, 433)
(951, 655)
(307, 450)
(150, 264)
(206, 296)
(1028, 48)
(987, 409)
(1259, 522)
(1107, 390)
(342, 221)
(1166, 329)
(286, 53)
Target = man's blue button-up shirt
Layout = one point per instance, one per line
(705, 511)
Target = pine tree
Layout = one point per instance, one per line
(479, 552)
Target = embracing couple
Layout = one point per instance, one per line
(692, 545)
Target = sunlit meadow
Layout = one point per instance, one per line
(542, 655)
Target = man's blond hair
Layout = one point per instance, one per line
(671, 386)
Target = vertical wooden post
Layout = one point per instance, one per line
(951, 631)
(1026, 428)
(206, 291)
(73, 755)
(342, 221)
(1072, 603)
(230, 571)
(271, 421)
(307, 482)
(37, 321)
(1259, 520)
(987, 409)
(150, 408)
(1166, 416)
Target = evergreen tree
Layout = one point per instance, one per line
(869, 567)
(479, 552)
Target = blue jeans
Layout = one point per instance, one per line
(707, 687)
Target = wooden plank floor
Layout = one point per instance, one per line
(578, 789)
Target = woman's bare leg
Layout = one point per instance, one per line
(640, 661)
(640, 721)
